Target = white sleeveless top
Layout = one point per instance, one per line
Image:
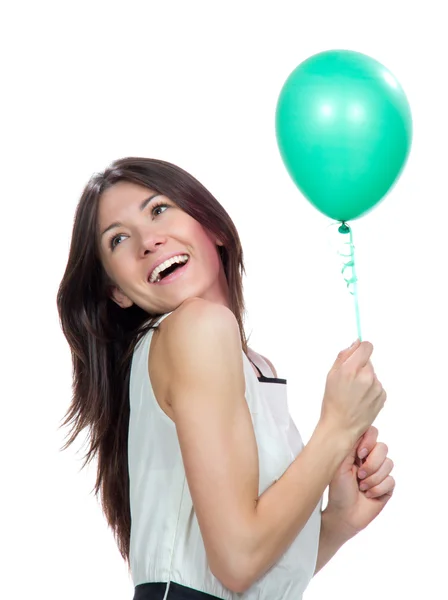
(166, 543)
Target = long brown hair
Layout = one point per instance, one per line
(102, 336)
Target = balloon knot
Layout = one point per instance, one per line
(344, 228)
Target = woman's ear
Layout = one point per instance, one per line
(120, 297)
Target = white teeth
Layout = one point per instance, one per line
(155, 275)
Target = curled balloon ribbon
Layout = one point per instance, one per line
(347, 253)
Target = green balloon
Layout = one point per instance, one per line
(344, 130)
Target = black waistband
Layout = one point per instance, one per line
(156, 591)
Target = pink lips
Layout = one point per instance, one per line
(174, 275)
(162, 259)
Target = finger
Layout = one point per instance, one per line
(367, 376)
(367, 442)
(385, 488)
(377, 477)
(373, 461)
(360, 357)
(344, 354)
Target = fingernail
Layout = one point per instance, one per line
(363, 486)
(361, 474)
(363, 453)
(354, 344)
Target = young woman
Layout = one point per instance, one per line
(203, 475)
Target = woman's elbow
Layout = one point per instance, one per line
(235, 575)
(233, 583)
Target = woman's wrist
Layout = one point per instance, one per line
(335, 527)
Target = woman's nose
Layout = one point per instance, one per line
(149, 241)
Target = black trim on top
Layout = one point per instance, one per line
(264, 379)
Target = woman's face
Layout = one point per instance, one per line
(138, 230)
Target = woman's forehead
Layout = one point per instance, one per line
(124, 192)
(124, 196)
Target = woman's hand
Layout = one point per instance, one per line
(359, 492)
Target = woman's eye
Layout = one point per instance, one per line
(157, 208)
(115, 241)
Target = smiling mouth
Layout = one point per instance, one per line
(168, 270)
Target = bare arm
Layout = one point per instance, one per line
(243, 535)
(330, 538)
(330, 541)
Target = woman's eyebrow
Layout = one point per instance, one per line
(143, 205)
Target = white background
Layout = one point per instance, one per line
(196, 83)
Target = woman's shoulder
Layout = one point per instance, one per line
(197, 322)
(196, 313)
(196, 337)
